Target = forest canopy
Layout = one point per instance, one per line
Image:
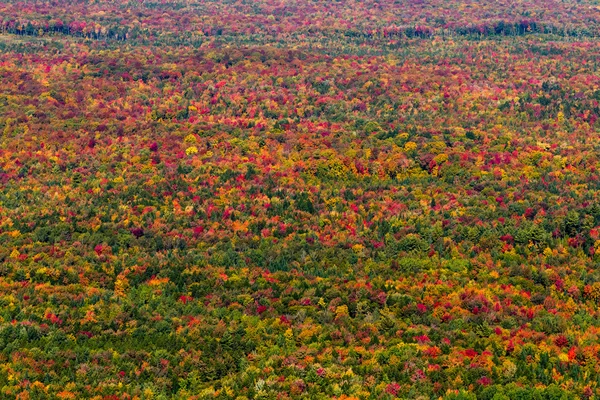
(299, 199)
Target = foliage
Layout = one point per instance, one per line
(335, 199)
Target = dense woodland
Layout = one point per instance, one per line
(299, 199)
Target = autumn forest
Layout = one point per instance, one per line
(300, 199)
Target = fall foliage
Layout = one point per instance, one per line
(299, 199)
